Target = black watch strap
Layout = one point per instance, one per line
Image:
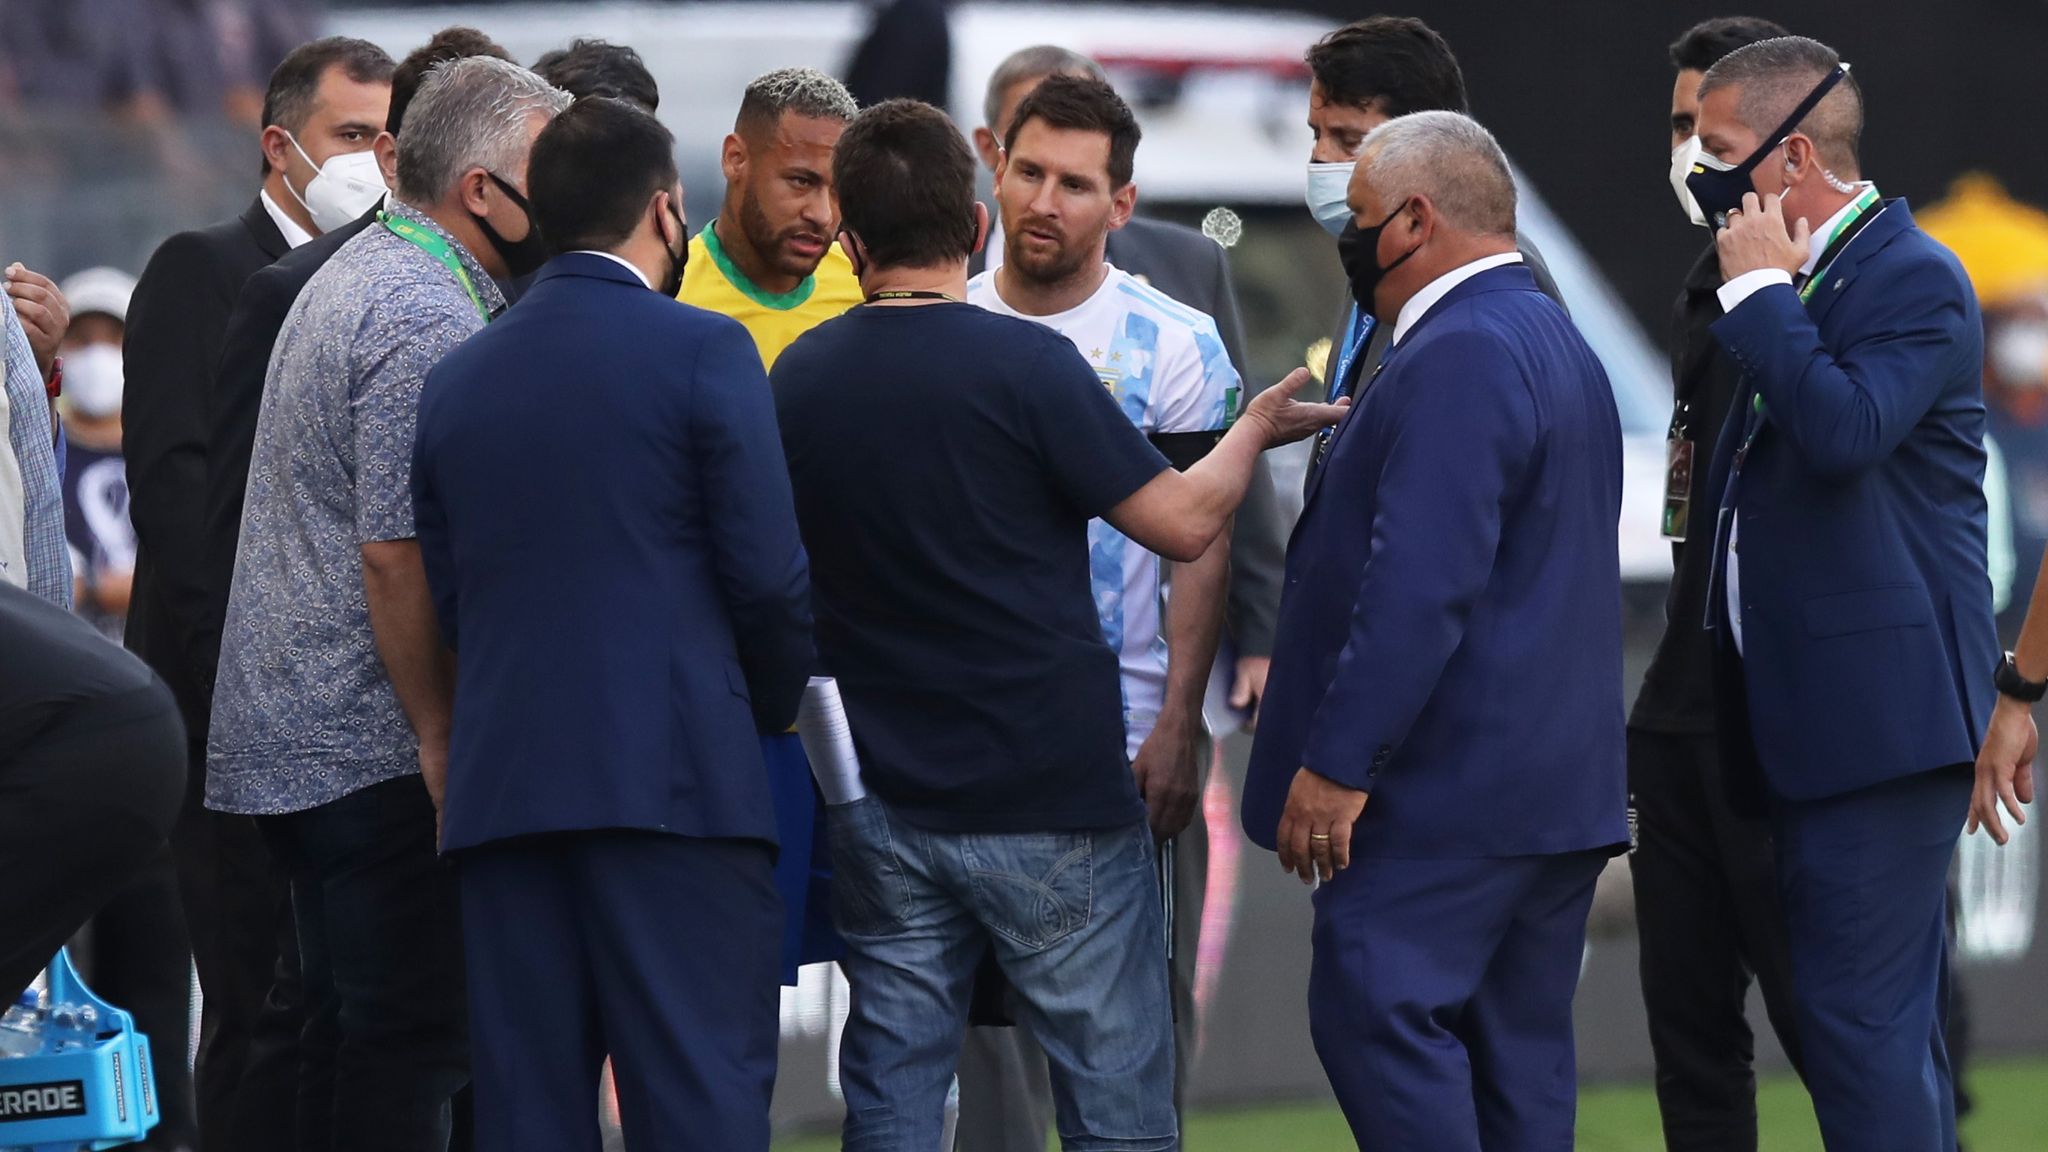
(2010, 683)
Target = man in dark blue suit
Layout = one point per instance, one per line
(1450, 646)
(606, 522)
(1851, 593)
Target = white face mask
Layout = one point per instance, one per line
(1683, 158)
(1329, 193)
(92, 380)
(348, 185)
(2019, 354)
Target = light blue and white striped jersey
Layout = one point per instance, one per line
(1165, 366)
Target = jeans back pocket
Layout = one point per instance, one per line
(870, 891)
(1037, 888)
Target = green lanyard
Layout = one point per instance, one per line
(432, 244)
(1863, 203)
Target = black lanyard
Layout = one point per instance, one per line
(908, 294)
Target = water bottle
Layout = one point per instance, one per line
(21, 1026)
(73, 1026)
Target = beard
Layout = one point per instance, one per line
(1044, 266)
(773, 245)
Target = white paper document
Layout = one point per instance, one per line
(828, 742)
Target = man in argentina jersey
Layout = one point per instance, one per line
(1164, 364)
(1065, 184)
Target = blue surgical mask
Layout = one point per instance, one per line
(1329, 192)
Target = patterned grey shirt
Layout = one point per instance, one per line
(303, 711)
(33, 439)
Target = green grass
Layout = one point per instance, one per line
(2011, 1116)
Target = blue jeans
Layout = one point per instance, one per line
(1077, 926)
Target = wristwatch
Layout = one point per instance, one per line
(55, 384)
(2010, 683)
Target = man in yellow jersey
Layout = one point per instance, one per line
(769, 260)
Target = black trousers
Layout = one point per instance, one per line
(237, 905)
(140, 959)
(88, 792)
(386, 1042)
(1709, 921)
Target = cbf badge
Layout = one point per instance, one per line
(1677, 487)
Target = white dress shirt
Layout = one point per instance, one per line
(1732, 294)
(1419, 305)
(621, 261)
(293, 234)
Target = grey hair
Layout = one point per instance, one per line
(1449, 158)
(1033, 63)
(1771, 78)
(805, 92)
(473, 112)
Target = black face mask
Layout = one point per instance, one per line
(1359, 250)
(1719, 188)
(521, 257)
(672, 285)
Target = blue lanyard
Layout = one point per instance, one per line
(1361, 327)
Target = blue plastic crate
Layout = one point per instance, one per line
(99, 1095)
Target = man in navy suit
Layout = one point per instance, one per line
(606, 522)
(1450, 648)
(1851, 596)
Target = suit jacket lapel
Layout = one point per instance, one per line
(1893, 219)
(1505, 278)
(264, 230)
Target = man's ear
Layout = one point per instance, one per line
(470, 189)
(386, 148)
(988, 148)
(732, 158)
(1426, 218)
(981, 227)
(1123, 205)
(277, 147)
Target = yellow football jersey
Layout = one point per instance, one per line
(713, 282)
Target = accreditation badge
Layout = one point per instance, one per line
(1677, 486)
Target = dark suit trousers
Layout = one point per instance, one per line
(237, 911)
(1440, 999)
(1708, 919)
(663, 952)
(1864, 879)
(385, 1046)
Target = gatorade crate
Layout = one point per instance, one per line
(102, 1095)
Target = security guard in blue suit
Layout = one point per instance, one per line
(1851, 594)
(1450, 647)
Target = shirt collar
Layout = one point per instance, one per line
(1817, 244)
(486, 287)
(293, 234)
(621, 261)
(1419, 305)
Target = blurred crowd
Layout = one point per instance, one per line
(147, 60)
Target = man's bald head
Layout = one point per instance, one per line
(1769, 79)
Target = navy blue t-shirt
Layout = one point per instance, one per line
(946, 462)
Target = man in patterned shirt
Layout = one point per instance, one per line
(331, 711)
(1063, 185)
